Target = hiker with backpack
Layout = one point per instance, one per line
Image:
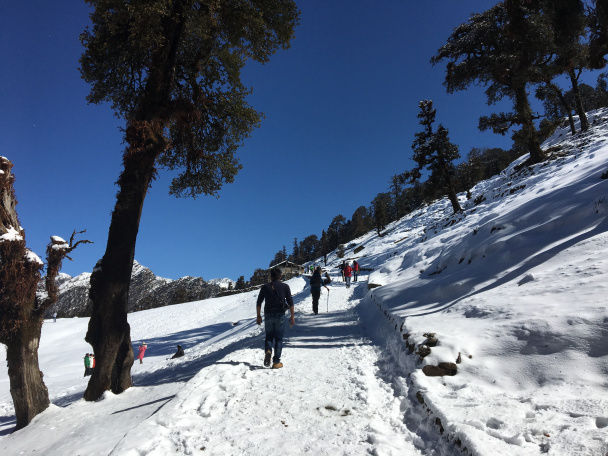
(316, 282)
(277, 298)
(355, 270)
(88, 368)
(347, 271)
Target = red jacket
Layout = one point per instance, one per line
(348, 271)
(356, 266)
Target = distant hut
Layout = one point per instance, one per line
(289, 269)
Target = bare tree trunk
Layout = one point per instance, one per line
(29, 393)
(522, 106)
(580, 110)
(108, 331)
(21, 313)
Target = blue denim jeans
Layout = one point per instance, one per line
(275, 328)
(347, 282)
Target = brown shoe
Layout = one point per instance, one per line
(277, 365)
(267, 358)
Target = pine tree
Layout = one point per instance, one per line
(360, 222)
(568, 24)
(324, 246)
(335, 231)
(240, 283)
(172, 71)
(295, 252)
(434, 151)
(381, 204)
(555, 103)
(598, 22)
(501, 48)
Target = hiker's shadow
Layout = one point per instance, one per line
(238, 363)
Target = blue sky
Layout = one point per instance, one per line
(340, 109)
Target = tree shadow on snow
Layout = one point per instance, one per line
(8, 423)
(524, 240)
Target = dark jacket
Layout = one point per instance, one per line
(316, 281)
(179, 353)
(277, 297)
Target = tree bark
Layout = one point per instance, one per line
(524, 112)
(21, 312)
(580, 110)
(29, 393)
(108, 331)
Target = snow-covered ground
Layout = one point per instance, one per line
(516, 288)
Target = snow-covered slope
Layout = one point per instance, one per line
(223, 283)
(518, 287)
(515, 288)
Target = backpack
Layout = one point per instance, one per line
(274, 301)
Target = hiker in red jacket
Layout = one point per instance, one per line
(348, 272)
(355, 270)
(142, 351)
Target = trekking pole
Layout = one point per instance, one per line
(328, 300)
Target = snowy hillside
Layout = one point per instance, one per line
(223, 283)
(146, 291)
(511, 295)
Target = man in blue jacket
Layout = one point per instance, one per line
(277, 297)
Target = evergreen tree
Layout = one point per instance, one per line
(172, 71)
(295, 254)
(324, 246)
(555, 103)
(335, 231)
(381, 204)
(598, 22)
(309, 248)
(434, 151)
(279, 257)
(361, 222)
(259, 277)
(240, 283)
(501, 48)
(568, 29)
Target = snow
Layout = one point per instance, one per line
(58, 240)
(223, 283)
(11, 235)
(32, 257)
(516, 286)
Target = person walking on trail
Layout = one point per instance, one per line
(348, 271)
(326, 280)
(355, 270)
(179, 353)
(342, 266)
(87, 365)
(142, 351)
(54, 317)
(277, 298)
(316, 282)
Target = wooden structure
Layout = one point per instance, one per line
(288, 268)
